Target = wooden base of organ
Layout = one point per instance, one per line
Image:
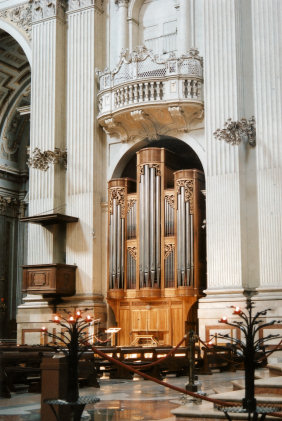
(156, 248)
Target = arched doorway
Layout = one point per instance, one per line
(156, 252)
(15, 78)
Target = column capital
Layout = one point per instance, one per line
(46, 9)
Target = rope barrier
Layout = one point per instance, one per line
(170, 386)
(171, 352)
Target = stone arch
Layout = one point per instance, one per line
(172, 143)
(19, 37)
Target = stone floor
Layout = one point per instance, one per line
(122, 400)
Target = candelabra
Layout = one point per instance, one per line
(75, 341)
(252, 347)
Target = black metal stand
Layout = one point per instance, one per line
(76, 407)
(259, 414)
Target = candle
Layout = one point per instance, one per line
(78, 314)
(56, 319)
(71, 319)
(88, 318)
(43, 329)
(237, 310)
(223, 319)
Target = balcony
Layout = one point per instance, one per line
(149, 97)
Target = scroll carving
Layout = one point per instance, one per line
(118, 193)
(188, 191)
(132, 251)
(168, 249)
(170, 199)
(130, 204)
(141, 169)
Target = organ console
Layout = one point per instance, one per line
(156, 247)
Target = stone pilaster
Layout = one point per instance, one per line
(47, 188)
(232, 253)
(86, 181)
(267, 36)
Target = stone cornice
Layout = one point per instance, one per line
(78, 5)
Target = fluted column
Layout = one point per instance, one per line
(185, 28)
(232, 256)
(122, 34)
(86, 181)
(47, 131)
(267, 36)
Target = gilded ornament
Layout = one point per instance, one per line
(188, 191)
(168, 249)
(41, 160)
(132, 251)
(236, 131)
(118, 193)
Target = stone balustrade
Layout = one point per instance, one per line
(142, 81)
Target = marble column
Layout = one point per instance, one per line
(232, 251)
(86, 180)
(267, 38)
(185, 30)
(122, 35)
(47, 130)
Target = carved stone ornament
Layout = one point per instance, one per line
(80, 4)
(118, 193)
(19, 16)
(132, 251)
(42, 9)
(168, 249)
(42, 160)
(236, 131)
(170, 199)
(122, 2)
(11, 205)
(188, 191)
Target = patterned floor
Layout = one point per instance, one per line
(121, 400)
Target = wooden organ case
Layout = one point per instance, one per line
(156, 248)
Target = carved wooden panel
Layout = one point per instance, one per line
(52, 279)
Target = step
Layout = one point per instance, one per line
(274, 369)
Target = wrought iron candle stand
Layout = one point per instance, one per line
(253, 350)
(75, 341)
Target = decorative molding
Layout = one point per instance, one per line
(170, 199)
(132, 251)
(188, 191)
(236, 131)
(44, 9)
(112, 127)
(80, 4)
(42, 160)
(148, 126)
(168, 249)
(19, 16)
(118, 193)
(177, 116)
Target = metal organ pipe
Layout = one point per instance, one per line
(118, 245)
(188, 241)
(152, 224)
(178, 240)
(158, 228)
(146, 224)
(122, 255)
(111, 252)
(141, 231)
(182, 234)
(192, 250)
(114, 249)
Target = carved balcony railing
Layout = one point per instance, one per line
(131, 96)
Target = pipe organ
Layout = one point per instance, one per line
(156, 247)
